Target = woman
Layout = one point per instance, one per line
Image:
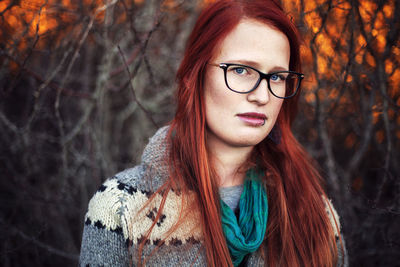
(226, 183)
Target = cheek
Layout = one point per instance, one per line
(216, 99)
(276, 108)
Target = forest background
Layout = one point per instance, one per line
(84, 84)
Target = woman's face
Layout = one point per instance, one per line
(244, 120)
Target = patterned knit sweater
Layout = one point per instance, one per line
(118, 219)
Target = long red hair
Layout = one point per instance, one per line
(299, 232)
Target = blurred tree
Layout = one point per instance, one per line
(83, 84)
(351, 118)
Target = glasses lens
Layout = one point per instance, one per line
(284, 84)
(241, 78)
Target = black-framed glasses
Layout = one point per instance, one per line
(244, 79)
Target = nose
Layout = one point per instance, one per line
(260, 95)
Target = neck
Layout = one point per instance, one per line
(227, 161)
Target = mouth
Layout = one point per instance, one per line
(253, 118)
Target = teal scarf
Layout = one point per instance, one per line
(245, 235)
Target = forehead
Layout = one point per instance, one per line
(257, 42)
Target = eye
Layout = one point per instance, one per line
(277, 77)
(240, 70)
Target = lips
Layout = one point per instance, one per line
(252, 118)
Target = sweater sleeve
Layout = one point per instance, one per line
(340, 243)
(103, 242)
(343, 260)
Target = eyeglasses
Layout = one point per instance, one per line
(244, 79)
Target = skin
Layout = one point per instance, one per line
(230, 140)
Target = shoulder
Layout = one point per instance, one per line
(109, 203)
(332, 215)
(106, 207)
(131, 210)
(110, 207)
(128, 203)
(340, 242)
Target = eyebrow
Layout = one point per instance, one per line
(255, 64)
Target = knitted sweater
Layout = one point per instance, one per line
(118, 219)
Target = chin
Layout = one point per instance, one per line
(250, 141)
(252, 138)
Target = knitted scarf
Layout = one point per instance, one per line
(245, 234)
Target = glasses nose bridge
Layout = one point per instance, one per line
(263, 76)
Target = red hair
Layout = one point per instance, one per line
(299, 232)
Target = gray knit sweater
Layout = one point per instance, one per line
(116, 223)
